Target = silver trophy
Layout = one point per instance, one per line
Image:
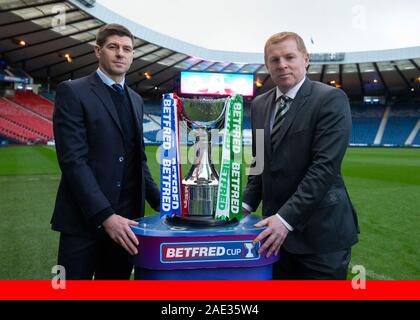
(200, 185)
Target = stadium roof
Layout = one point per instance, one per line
(244, 25)
(59, 36)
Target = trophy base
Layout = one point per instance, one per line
(199, 221)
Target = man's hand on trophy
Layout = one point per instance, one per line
(118, 228)
(274, 235)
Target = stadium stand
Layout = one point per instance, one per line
(403, 117)
(34, 102)
(47, 95)
(26, 119)
(366, 120)
(416, 141)
(151, 121)
(18, 133)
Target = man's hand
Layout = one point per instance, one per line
(275, 233)
(118, 228)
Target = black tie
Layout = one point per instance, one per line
(117, 87)
(279, 118)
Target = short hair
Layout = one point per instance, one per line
(110, 30)
(281, 36)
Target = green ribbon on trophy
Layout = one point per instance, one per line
(229, 195)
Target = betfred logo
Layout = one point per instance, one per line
(180, 252)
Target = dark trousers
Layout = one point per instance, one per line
(322, 266)
(96, 256)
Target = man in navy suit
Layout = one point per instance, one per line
(105, 178)
(308, 214)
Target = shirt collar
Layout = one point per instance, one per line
(292, 91)
(107, 80)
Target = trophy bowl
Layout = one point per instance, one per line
(200, 185)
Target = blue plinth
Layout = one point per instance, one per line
(227, 253)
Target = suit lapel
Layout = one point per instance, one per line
(297, 104)
(138, 120)
(271, 98)
(134, 103)
(98, 87)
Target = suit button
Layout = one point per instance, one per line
(121, 159)
(118, 184)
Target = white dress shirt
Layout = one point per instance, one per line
(107, 80)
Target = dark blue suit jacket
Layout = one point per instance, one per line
(301, 178)
(90, 150)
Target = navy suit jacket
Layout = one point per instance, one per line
(90, 150)
(301, 179)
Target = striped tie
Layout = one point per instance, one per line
(117, 87)
(279, 118)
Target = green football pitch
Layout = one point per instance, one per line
(384, 185)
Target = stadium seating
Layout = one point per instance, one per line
(26, 119)
(18, 133)
(366, 120)
(397, 130)
(34, 102)
(48, 95)
(402, 119)
(416, 141)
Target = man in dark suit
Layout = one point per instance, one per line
(98, 128)
(307, 212)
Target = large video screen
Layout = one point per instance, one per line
(216, 84)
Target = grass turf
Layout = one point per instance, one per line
(384, 185)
